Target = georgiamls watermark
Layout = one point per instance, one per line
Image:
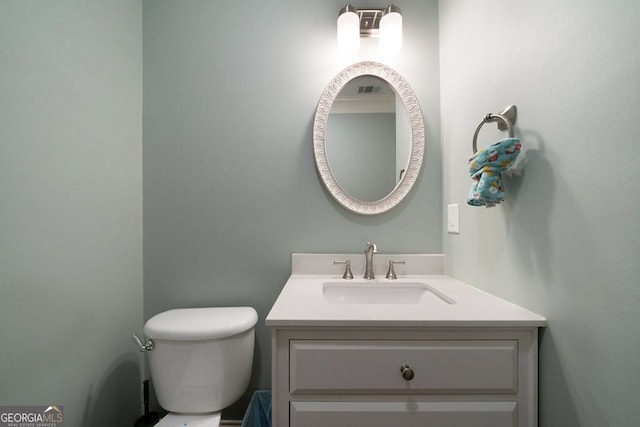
(32, 416)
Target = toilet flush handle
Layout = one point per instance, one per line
(148, 346)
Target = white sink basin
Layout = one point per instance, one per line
(382, 293)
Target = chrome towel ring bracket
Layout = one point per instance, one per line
(505, 121)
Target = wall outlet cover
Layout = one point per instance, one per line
(453, 219)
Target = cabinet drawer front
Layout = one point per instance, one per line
(432, 414)
(373, 367)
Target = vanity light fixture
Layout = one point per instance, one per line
(385, 24)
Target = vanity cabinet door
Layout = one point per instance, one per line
(445, 367)
(406, 414)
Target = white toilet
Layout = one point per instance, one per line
(200, 362)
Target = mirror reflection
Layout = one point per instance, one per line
(368, 138)
(363, 160)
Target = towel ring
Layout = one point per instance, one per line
(507, 117)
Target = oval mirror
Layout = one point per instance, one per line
(368, 138)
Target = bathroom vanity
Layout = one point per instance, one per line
(423, 349)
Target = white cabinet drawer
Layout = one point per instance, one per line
(373, 367)
(406, 414)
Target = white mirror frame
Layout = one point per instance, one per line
(410, 102)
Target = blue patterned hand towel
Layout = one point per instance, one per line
(486, 167)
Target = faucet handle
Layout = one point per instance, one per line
(391, 273)
(348, 275)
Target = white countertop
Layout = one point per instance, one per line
(301, 303)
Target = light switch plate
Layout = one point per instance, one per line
(453, 219)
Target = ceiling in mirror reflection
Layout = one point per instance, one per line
(365, 94)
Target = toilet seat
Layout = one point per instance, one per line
(183, 420)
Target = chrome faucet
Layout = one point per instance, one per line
(368, 256)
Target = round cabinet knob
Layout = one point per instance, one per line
(407, 372)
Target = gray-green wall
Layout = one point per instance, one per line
(230, 186)
(71, 207)
(566, 242)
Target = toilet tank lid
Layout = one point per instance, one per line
(189, 324)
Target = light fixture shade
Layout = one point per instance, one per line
(348, 31)
(391, 31)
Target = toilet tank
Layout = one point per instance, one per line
(202, 357)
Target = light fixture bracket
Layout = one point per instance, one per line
(370, 22)
(370, 18)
